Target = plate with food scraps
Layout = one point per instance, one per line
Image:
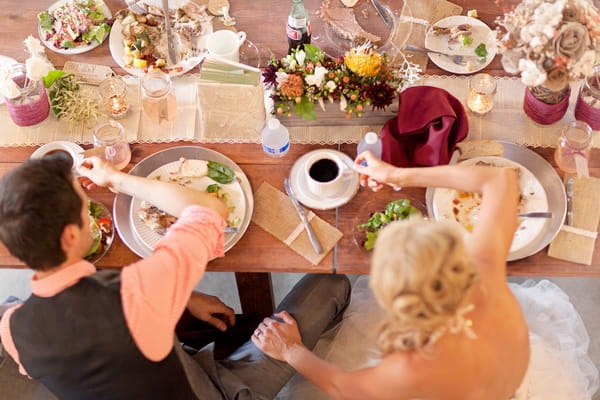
(103, 233)
(463, 36)
(74, 26)
(541, 190)
(166, 164)
(138, 42)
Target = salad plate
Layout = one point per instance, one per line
(87, 19)
(480, 34)
(541, 190)
(103, 233)
(124, 204)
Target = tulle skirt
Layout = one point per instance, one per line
(559, 368)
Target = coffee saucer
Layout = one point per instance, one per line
(349, 185)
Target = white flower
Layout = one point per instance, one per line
(343, 103)
(37, 67)
(8, 87)
(584, 66)
(531, 74)
(331, 85)
(33, 46)
(280, 77)
(321, 103)
(300, 57)
(317, 77)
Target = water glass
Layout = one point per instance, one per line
(110, 135)
(482, 89)
(158, 101)
(574, 146)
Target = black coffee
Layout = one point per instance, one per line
(324, 170)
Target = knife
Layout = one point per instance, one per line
(387, 20)
(170, 38)
(302, 214)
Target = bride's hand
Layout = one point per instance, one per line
(276, 338)
(374, 173)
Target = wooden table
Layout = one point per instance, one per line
(258, 253)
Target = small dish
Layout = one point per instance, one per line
(78, 49)
(377, 203)
(6, 62)
(73, 149)
(481, 33)
(311, 200)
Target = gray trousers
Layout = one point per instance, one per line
(317, 302)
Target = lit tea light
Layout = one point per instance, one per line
(482, 88)
(114, 94)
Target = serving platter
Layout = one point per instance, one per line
(555, 196)
(481, 33)
(123, 204)
(77, 49)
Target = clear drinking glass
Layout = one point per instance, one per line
(158, 101)
(113, 91)
(482, 89)
(574, 145)
(110, 134)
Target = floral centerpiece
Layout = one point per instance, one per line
(549, 43)
(361, 78)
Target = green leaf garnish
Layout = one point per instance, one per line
(466, 40)
(481, 50)
(220, 173)
(45, 19)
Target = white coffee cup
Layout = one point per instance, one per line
(225, 44)
(325, 174)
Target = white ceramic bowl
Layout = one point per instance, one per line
(73, 149)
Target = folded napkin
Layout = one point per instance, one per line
(429, 124)
(275, 213)
(576, 242)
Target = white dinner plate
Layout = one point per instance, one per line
(349, 186)
(167, 172)
(552, 185)
(117, 49)
(481, 33)
(79, 49)
(464, 207)
(122, 204)
(6, 61)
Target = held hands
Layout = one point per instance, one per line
(96, 171)
(212, 310)
(277, 338)
(375, 173)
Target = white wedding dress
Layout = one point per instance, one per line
(559, 368)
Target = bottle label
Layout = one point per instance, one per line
(293, 34)
(299, 23)
(274, 151)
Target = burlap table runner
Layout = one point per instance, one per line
(414, 21)
(576, 242)
(274, 212)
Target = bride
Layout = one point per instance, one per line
(449, 326)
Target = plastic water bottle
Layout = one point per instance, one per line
(370, 142)
(275, 138)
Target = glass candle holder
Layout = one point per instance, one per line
(110, 135)
(113, 91)
(482, 89)
(573, 150)
(31, 106)
(158, 101)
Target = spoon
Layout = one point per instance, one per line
(536, 214)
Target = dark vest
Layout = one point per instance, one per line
(78, 345)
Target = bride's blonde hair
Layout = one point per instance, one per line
(420, 275)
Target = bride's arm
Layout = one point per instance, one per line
(492, 235)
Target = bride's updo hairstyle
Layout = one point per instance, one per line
(420, 275)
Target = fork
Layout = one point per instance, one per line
(134, 6)
(455, 58)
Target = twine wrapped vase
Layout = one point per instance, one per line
(545, 106)
(587, 108)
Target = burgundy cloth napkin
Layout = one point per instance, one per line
(430, 122)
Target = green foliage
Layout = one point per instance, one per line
(220, 173)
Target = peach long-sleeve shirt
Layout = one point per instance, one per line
(155, 290)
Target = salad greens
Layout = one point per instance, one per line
(394, 210)
(101, 229)
(75, 23)
(481, 50)
(68, 102)
(220, 173)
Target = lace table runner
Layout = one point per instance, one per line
(223, 115)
